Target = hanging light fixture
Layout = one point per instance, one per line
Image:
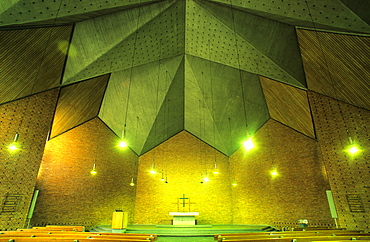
(132, 183)
(15, 145)
(152, 170)
(93, 171)
(162, 178)
(215, 170)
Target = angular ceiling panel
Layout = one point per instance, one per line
(222, 104)
(323, 14)
(233, 38)
(24, 13)
(288, 105)
(102, 45)
(78, 103)
(136, 97)
(31, 60)
(337, 65)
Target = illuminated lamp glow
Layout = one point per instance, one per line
(234, 184)
(122, 144)
(274, 173)
(93, 171)
(13, 147)
(353, 149)
(248, 144)
(132, 182)
(205, 179)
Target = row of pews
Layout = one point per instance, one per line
(304, 235)
(69, 234)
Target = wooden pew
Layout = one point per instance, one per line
(302, 235)
(297, 239)
(61, 228)
(291, 233)
(43, 235)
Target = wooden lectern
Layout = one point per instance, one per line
(119, 220)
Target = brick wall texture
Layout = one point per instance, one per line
(185, 159)
(31, 118)
(348, 175)
(69, 194)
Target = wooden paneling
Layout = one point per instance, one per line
(31, 60)
(288, 105)
(78, 103)
(337, 65)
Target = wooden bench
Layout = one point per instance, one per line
(291, 233)
(304, 236)
(43, 235)
(62, 228)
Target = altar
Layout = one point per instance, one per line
(184, 218)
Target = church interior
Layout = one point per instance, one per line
(246, 112)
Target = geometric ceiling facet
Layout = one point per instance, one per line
(23, 13)
(232, 38)
(103, 45)
(78, 103)
(335, 15)
(288, 105)
(215, 110)
(32, 60)
(337, 65)
(138, 98)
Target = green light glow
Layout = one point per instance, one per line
(122, 144)
(215, 172)
(205, 179)
(153, 172)
(248, 144)
(132, 184)
(13, 146)
(93, 172)
(234, 184)
(353, 149)
(274, 173)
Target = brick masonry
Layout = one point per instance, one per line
(348, 175)
(69, 194)
(31, 118)
(184, 159)
(297, 192)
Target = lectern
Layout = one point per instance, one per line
(119, 220)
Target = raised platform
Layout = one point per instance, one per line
(190, 230)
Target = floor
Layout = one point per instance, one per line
(185, 239)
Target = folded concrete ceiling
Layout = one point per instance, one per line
(218, 69)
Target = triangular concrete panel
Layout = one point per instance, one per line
(217, 39)
(326, 14)
(78, 103)
(124, 46)
(288, 105)
(170, 117)
(135, 92)
(32, 60)
(23, 13)
(337, 65)
(223, 105)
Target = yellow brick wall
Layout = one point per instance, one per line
(184, 158)
(298, 192)
(348, 176)
(30, 117)
(69, 194)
